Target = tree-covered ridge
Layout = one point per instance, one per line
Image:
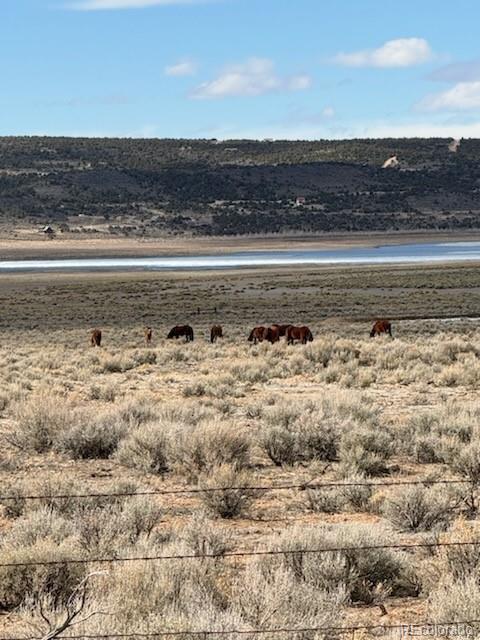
(239, 186)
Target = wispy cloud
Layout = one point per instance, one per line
(464, 96)
(467, 71)
(403, 52)
(110, 100)
(105, 5)
(256, 76)
(181, 68)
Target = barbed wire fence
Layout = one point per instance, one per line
(405, 630)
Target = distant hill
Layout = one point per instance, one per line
(154, 187)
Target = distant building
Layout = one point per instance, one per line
(48, 231)
(454, 145)
(391, 163)
(300, 201)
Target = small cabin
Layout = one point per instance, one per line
(300, 201)
(48, 231)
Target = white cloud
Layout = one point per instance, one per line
(463, 96)
(328, 112)
(254, 77)
(181, 68)
(104, 5)
(404, 52)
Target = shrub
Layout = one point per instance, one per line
(418, 508)
(458, 600)
(145, 449)
(139, 517)
(199, 448)
(356, 497)
(365, 450)
(466, 461)
(234, 496)
(458, 562)
(38, 537)
(114, 525)
(135, 412)
(92, 437)
(201, 537)
(324, 500)
(362, 576)
(273, 597)
(301, 439)
(39, 422)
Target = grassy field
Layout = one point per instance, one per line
(129, 418)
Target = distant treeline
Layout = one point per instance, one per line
(239, 186)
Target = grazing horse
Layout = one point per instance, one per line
(272, 334)
(96, 338)
(257, 334)
(148, 333)
(303, 334)
(381, 326)
(282, 329)
(215, 332)
(181, 330)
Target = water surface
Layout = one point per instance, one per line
(384, 254)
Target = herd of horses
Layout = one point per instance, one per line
(271, 334)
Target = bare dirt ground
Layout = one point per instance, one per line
(201, 415)
(30, 244)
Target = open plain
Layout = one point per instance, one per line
(246, 420)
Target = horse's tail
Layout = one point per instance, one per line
(251, 336)
(171, 334)
(190, 331)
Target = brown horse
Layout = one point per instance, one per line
(257, 334)
(381, 326)
(272, 334)
(96, 338)
(303, 334)
(181, 330)
(215, 332)
(148, 333)
(282, 329)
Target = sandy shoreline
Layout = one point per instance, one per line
(41, 248)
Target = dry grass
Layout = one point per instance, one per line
(344, 408)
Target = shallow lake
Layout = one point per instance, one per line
(384, 254)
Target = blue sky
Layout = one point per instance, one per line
(240, 68)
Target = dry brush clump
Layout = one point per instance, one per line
(302, 432)
(40, 536)
(355, 496)
(227, 492)
(368, 575)
(419, 508)
(445, 435)
(189, 444)
(44, 423)
(453, 585)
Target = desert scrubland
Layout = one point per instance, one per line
(364, 415)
